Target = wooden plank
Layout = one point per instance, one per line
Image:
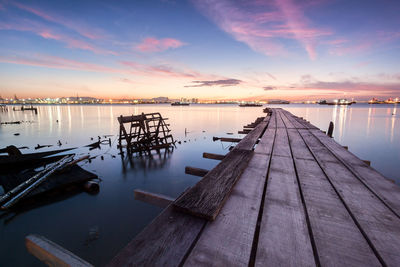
(286, 121)
(292, 119)
(208, 196)
(284, 239)
(279, 121)
(228, 240)
(377, 222)
(213, 156)
(164, 242)
(195, 171)
(383, 187)
(337, 238)
(51, 253)
(227, 139)
(251, 138)
(281, 147)
(153, 198)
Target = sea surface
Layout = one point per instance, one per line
(96, 227)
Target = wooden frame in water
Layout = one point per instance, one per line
(145, 132)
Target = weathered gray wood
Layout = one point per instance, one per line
(337, 238)
(208, 196)
(195, 171)
(244, 132)
(228, 240)
(251, 138)
(50, 253)
(164, 242)
(380, 185)
(153, 198)
(286, 121)
(292, 119)
(281, 147)
(213, 156)
(284, 239)
(379, 224)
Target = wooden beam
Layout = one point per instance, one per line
(213, 156)
(153, 198)
(330, 129)
(367, 162)
(244, 132)
(208, 196)
(227, 139)
(195, 171)
(51, 253)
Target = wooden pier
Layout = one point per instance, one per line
(286, 195)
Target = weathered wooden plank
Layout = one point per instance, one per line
(382, 186)
(378, 223)
(281, 147)
(213, 156)
(208, 196)
(290, 117)
(284, 239)
(286, 121)
(51, 253)
(195, 171)
(153, 198)
(164, 242)
(251, 138)
(228, 240)
(337, 238)
(279, 121)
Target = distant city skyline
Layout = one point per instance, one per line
(207, 49)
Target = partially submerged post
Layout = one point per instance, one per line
(145, 132)
(330, 129)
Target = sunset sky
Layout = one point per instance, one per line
(209, 49)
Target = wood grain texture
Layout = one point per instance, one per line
(164, 242)
(207, 197)
(228, 240)
(380, 225)
(251, 138)
(153, 198)
(337, 238)
(383, 187)
(284, 239)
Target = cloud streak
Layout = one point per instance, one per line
(150, 44)
(263, 25)
(222, 83)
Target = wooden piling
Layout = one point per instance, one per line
(195, 171)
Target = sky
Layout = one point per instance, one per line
(206, 49)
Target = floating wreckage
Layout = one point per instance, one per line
(21, 179)
(144, 133)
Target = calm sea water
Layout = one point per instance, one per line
(371, 132)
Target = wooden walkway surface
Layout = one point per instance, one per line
(295, 198)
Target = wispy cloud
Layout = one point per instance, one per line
(73, 24)
(222, 83)
(151, 44)
(263, 25)
(47, 32)
(47, 61)
(269, 88)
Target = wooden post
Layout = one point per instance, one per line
(51, 253)
(330, 129)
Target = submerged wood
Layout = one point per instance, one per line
(51, 253)
(59, 165)
(153, 198)
(227, 139)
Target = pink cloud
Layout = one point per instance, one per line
(72, 24)
(47, 61)
(157, 45)
(48, 33)
(262, 25)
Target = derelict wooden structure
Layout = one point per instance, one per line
(297, 198)
(144, 132)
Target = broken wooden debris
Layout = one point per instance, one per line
(195, 171)
(158, 200)
(145, 132)
(51, 253)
